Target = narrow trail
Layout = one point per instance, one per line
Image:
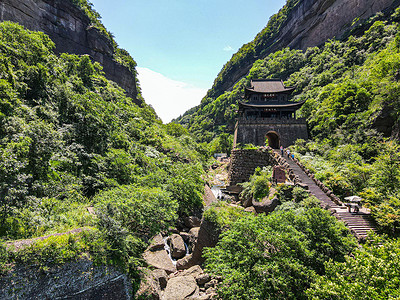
(359, 223)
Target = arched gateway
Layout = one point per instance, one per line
(267, 113)
(273, 139)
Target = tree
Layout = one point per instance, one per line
(372, 273)
(276, 256)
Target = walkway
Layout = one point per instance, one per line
(358, 223)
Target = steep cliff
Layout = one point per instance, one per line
(73, 32)
(74, 280)
(299, 24)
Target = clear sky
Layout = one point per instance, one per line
(181, 45)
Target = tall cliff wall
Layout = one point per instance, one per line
(71, 31)
(310, 23)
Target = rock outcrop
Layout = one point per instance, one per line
(267, 206)
(208, 235)
(71, 31)
(73, 280)
(182, 287)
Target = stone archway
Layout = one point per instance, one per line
(273, 139)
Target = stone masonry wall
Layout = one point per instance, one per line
(245, 161)
(255, 132)
(71, 31)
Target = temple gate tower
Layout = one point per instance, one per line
(266, 114)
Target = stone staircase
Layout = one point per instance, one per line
(359, 223)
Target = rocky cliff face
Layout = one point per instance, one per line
(74, 280)
(70, 29)
(309, 24)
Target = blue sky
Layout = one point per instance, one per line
(181, 45)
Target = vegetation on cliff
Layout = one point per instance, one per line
(249, 52)
(120, 55)
(70, 140)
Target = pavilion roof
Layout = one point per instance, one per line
(294, 105)
(268, 86)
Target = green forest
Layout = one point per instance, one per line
(77, 154)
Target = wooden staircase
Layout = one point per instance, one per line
(359, 223)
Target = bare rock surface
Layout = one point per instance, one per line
(178, 249)
(73, 280)
(266, 206)
(157, 243)
(160, 260)
(185, 263)
(72, 32)
(181, 287)
(192, 221)
(194, 271)
(161, 277)
(202, 279)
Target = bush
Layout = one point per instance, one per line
(258, 186)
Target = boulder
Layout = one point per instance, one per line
(246, 202)
(161, 277)
(193, 235)
(205, 297)
(185, 263)
(202, 279)
(157, 243)
(194, 271)
(192, 221)
(211, 284)
(178, 249)
(159, 260)
(194, 232)
(250, 209)
(208, 237)
(185, 236)
(151, 284)
(266, 206)
(181, 287)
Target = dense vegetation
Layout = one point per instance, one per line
(70, 139)
(299, 251)
(311, 71)
(72, 143)
(280, 255)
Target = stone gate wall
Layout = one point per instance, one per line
(254, 131)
